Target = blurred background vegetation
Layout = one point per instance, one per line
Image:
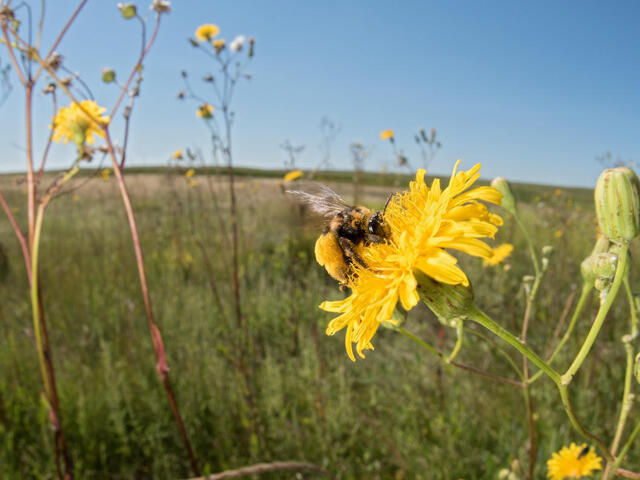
(399, 414)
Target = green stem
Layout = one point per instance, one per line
(600, 317)
(34, 300)
(459, 325)
(627, 396)
(627, 446)
(480, 317)
(586, 289)
(500, 351)
(418, 340)
(532, 250)
(568, 408)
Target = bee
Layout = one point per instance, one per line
(583, 452)
(349, 229)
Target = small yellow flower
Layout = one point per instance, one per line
(206, 32)
(106, 174)
(177, 154)
(386, 134)
(292, 175)
(192, 183)
(499, 254)
(559, 192)
(72, 123)
(558, 233)
(574, 461)
(189, 173)
(424, 223)
(219, 44)
(205, 111)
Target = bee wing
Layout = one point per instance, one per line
(321, 199)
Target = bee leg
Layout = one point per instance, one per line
(373, 238)
(349, 250)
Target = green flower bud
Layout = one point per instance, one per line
(447, 302)
(547, 251)
(108, 75)
(617, 198)
(127, 10)
(636, 369)
(508, 200)
(599, 266)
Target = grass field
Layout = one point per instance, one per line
(399, 414)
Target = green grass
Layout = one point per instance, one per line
(398, 414)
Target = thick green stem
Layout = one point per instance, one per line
(480, 317)
(600, 317)
(586, 289)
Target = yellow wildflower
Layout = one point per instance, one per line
(177, 154)
(559, 192)
(106, 174)
(386, 134)
(205, 111)
(219, 44)
(292, 175)
(558, 234)
(192, 183)
(189, 173)
(423, 222)
(206, 32)
(574, 461)
(72, 123)
(499, 254)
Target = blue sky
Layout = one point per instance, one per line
(532, 90)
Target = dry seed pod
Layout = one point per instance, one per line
(617, 198)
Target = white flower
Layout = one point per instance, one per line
(237, 43)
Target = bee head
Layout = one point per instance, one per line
(377, 225)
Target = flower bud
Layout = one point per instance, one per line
(127, 10)
(508, 200)
(636, 369)
(599, 266)
(108, 75)
(617, 198)
(447, 302)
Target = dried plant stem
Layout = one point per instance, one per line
(156, 336)
(19, 235)
(259, 468)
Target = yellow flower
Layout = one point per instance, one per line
(219, 44)
(72, 123)
(206, 32)
(423, 222)
(106, 174)
(189, 173)
(559, 192)
(177, 154)
(292, 175)
(573, 462)
(192, 183)
(386, 134)
(499, 254)
(205, 111)
(558, 234)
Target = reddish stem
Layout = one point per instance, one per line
(156, 336)
(19, 234)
